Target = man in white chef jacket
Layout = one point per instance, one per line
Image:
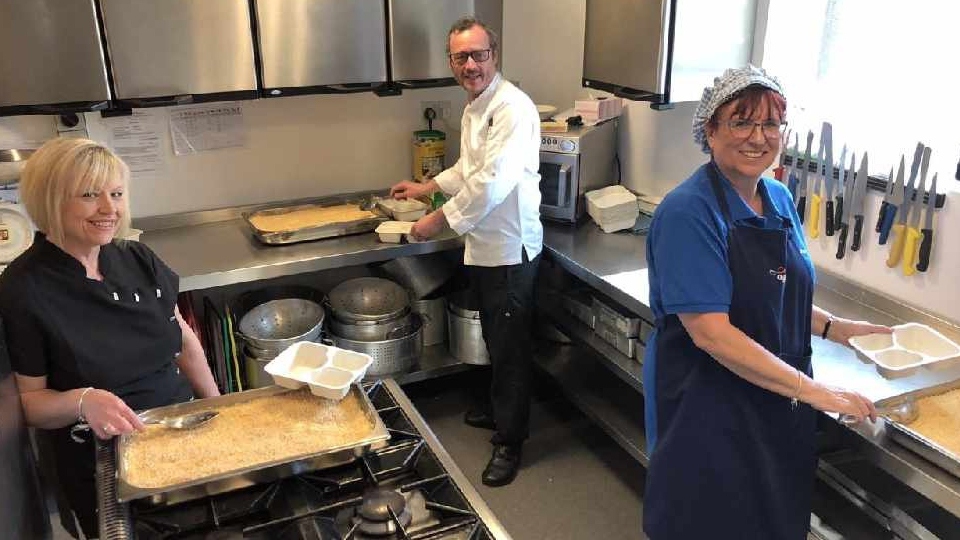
(494, 202)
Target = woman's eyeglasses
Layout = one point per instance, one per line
(742, 128)
(479, 57)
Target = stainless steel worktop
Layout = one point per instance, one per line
(216, 248)
(615, 264)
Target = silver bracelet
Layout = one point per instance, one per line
(83, 394)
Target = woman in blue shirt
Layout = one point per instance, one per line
(730, 400)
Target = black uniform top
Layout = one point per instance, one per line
(119, 334)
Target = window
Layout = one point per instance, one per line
(885, 74)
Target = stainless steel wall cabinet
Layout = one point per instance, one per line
(52, 60)
(313, 46)
(664, 51)
(418, 37)
(167, 52)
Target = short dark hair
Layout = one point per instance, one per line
(468, 22)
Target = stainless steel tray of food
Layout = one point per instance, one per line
(264, 471)
(917, 442)
(326, 218)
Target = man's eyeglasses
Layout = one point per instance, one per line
(742, 128)
(479, 57)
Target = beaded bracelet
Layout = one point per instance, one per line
(83, 394)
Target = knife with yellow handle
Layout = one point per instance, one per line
(817, 198)
(909, 193)
(911, 251)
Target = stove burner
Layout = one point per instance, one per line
(382, 513)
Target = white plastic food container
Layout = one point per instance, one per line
(327, 370)
(911, 346)
(330, 382)
(404, 209)
(393, 231)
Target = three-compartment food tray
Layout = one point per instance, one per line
(917, 442)
(910, 347)
(403, 209)
(329, 371)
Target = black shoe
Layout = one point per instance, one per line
(503, 465)
(479, 419)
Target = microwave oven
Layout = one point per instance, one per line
(572, 163)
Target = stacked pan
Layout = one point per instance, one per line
(373, 316)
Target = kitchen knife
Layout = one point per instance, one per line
(844, 218)
(792, 179)
(802, 199)
(841, 185)
(827, 168)
(814, 226)
(888, 190)
(783, 169)
(859, 193)
(910, 251)
(926, 245)
(899, 232)
(897, 197)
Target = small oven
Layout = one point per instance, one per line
(572, 163)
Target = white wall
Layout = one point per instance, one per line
(657, 152)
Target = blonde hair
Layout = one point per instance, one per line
(65, 168)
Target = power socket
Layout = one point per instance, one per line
(442, 108)
(70, 122)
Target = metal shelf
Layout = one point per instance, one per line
(629, 370)
(606, 400)
(435, 361)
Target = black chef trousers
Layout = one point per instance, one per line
(506, 299)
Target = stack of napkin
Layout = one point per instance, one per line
(614, 208)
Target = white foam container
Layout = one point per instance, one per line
(393, 231)
(327, 370)
(404, 209)
(330, 382)
(910, 347)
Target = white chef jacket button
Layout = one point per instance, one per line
(116, 296)
(507, 314)
(176, 354)
(173, 318)
(136, 297)
(158, 293)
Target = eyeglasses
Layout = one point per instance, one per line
(742, 128)
(479, 57)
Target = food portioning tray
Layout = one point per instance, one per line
(326, 230)
(248, 476)
(902, 434)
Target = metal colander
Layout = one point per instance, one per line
(368, 299)
(279, 323)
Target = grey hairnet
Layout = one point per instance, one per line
(725, 88)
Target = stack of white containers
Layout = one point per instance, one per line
(597, 110)
(614, 208)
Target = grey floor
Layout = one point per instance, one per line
(575, 482)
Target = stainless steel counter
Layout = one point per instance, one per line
(216, 248)
(615, 264)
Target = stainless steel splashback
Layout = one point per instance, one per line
(163, 48)
(312, 43)
(51, 55)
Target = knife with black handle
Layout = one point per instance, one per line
(856, 205)
(926, 244)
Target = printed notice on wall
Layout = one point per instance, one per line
(138, 140)
(196, 128)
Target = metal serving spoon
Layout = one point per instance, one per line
(183, 421)
(902, 412)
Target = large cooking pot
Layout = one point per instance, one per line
(396, 354)
(368, 299)
(421, 274)
(369, 330)
(254, 369)
(466, 335)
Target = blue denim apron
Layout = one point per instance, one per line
(731, 459)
